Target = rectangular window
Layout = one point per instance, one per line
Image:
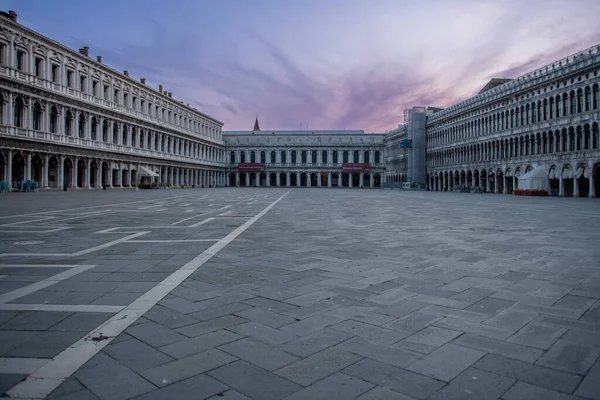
(70, 79)
(82, 84)
(54, 73)
(134, 103)
(125, 99)
(116, 96)
(95, 88)
(20, 60)
(38, 67)
(142, 105)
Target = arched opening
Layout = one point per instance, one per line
(356, 179)
(567, 179)
(335, 179)
(125, 177)
(68, 173)
(68, 123)
(134, 178)
(376, 180)
(18, 169)
(314, 179)
(554, 180)
(242, 156)
(595, 176)
(115, 138)
(367, 180)
(263, 179)
(508, 181)
(345, 179)
(324, 179)
(356, 156)
(273, 178)
(463, 178)
(252, 157)
(36, 122)
(3, 176)
(293, 179)
(282, 179)
(53, 172)
(81, 173)
(53, 119)
(94, 174)
(583, 182)
(252, 177)
(483, 179)
(469, 178)
(19, 113)
(94, 128)
(492, 181)
(243, 179)
(37, 168)
(104, 179)
(500, 181)
(303, 179)
(81, 126)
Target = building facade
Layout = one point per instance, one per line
(67, 120)
(547, 118)
(304, 158)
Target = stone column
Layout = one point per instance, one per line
(575, 188)
(278, 179)
(28, 167)
(129, 176)
(61, 173)
(592, 190)
(247, 179)
(75, 173)
(319, 183)
(88, 172)
(287, 180)
(45, 169)
(257, 179)
(372, 180)
(8, 177)
(361, 180)
(561, 187)
(329, 179)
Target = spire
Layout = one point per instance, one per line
(256, 127)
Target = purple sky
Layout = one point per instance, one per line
(328, 64)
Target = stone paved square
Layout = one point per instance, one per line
(256, 293)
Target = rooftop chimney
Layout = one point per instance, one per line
(13, 15)
(99, 59)
(143, 81)
(160, 87)
(126, 73)
(170, 94)
(85, 51)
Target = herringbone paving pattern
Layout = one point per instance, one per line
(347, 294)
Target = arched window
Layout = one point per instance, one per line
(356, 156)
(125, 136)
(105, 132)
(595, 96)
(133, 137)
(232, 157)
(313, 157)
(37, 116)
(283, 156)
(335, 157)
(115, 138)
(81, 125)
(242, 156)
(252, 157)
(94, 128)
(573, 101)
(579, 100)
(324, 156)
(273, 157)
(377, 157)
(19, 117)
(345, 156)
(68, 123)
(2, 104)
(588, 99)
(367, 156)
(303, 156)
(263, 157)
(293, 156)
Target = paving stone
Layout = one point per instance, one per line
(269, 304)
(391, 296)
(199, 343)
(203, 327)
(197, 387)
(254, 382)
(475, 384)
(590, 387)
(313, 343)
(370, 332)
(187, 367)
(428, 339)
(473, 295)
(45, 344)
(136, 355)
(454, 313)
(530, 373)
(490, 306)
(267, 318)
(336, 386)
(569, 357)
(380, 352)
(313, 324)
(473, 327)
(402, 308)
(362, 314)
(522, 390)
(399, 380)
(7, 381)
(413, 323)
(381, 393)
(263, 333)
(537, 335)
(219, 311)
(70, 385)
(34, 321)
(318, 366)
(311, 309)
(168, 318)
(499, 347)
(446, 362)
(110, 380)
(154, 334)
(511, 319)
(259, 354)
(582, 337)
(230, 395)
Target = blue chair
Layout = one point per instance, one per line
(3, 187)
(35, 185)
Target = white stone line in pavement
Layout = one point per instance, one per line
(28, 221)
(192, 217)
(61, 307)
(52, 280)
(226, 213)
(152, 206)
(173, 241)
(161, 209)
(38, 265)
(78, 253)
(91, 207)
(61, 220)
(15, 365)
(197, 224)
(62, 228)
(47, 378)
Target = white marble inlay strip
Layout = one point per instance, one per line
(192, 217)
(39, 265)
(15, 365)
(226, 213)
(29, 221)
(90, 214)
(62, 228)
(109, 244)
(52, 280)
(62, 307)
(43, 381)
(197, 224)
(173, 241)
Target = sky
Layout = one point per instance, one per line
(318, 64)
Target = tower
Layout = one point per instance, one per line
(256, 127)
